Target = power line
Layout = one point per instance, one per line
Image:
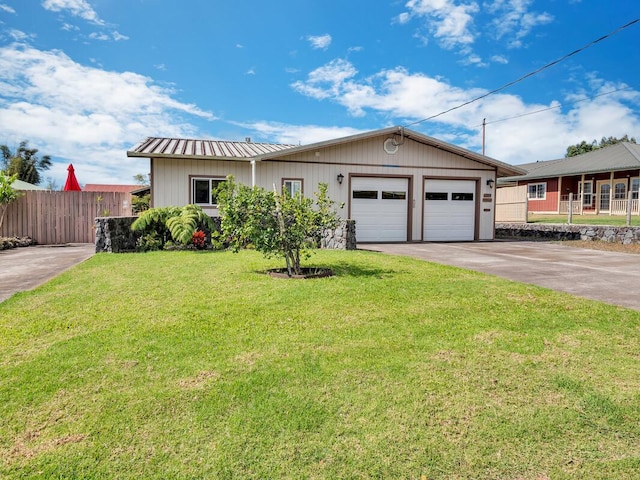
(530, 74)
(554, 107)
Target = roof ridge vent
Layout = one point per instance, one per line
(247, 139)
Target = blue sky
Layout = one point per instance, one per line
(84, 80)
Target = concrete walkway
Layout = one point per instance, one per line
(606, 276)
(25, 268)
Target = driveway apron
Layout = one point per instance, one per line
(26, 268)
(610, 277)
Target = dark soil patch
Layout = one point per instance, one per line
(309, 272)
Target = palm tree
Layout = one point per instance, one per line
(24, 162)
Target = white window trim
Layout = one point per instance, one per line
(544, 197)
(192, 189)
(586, 194)
(292, 181)
(615, 189)
(634, 191)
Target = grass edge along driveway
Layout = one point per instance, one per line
(198, 365)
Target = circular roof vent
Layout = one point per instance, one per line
(390, 146)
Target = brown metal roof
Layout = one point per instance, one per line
(181, 147)
(99, 187)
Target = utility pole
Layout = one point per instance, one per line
(484, 125)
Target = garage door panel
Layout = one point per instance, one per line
(449, 210)
(380, 209)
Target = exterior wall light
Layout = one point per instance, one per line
(340, 178)
(490, 182)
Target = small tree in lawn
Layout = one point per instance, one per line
(7, 194)
(275, 224)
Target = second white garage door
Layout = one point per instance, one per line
(379, 205)
(449, 210)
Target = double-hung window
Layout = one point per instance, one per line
(537, 191)
(635, 188)
(586, 190)
(292, 186)
(202, 190)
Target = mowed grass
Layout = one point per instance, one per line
(602, 219)
(198, 365)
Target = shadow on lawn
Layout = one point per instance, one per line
(347, 270)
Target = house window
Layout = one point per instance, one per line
(586, 190)
(635, 187)
(365, 194)
(202, 190)
(537, 191)
(291, 186)
(620, 191)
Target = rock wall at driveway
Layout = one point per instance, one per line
(542, 231)
(114, 235)
(343, 237)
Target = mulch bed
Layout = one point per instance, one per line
(310, 272)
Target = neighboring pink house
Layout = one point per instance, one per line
(600, 182)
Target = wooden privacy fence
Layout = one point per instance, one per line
(51, 218)
(511, 204)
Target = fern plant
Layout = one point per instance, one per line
(178, 222)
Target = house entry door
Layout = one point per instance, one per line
(604, 195)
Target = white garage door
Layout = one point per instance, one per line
(379, 207)
(449, 210)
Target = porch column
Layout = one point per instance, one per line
(582, 194)
(611, 194)
(559, 195)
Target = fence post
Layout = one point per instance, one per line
(570, 208)
(629, 208)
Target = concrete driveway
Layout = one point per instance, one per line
(25, 268)
(606, 276)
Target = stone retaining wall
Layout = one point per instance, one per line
(114, 235)
(343, 237)
(544, 231)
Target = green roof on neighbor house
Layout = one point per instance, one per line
(618, 157)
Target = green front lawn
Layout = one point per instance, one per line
(198, 365)
(613, 220)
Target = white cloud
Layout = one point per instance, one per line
(409, 97)
(320, 42)
(451, 23)
(77, 8)
(514, 21)
(297, 134)
(68, 27)
(117, 36)
(19, 35)
(83, 114)
(500, 59)
(102, 36)
(7, 8)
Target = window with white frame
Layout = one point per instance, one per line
(635, 187)
(202, 190)
(620, 190)
(537, 191)
(291, 186)
(586, 190)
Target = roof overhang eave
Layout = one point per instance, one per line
(188, 157)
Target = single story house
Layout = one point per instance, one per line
(20, 185)
(399, 185)
(104, 187)
(600, 181)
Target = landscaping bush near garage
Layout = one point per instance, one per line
(392, 368)
(15, 242)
